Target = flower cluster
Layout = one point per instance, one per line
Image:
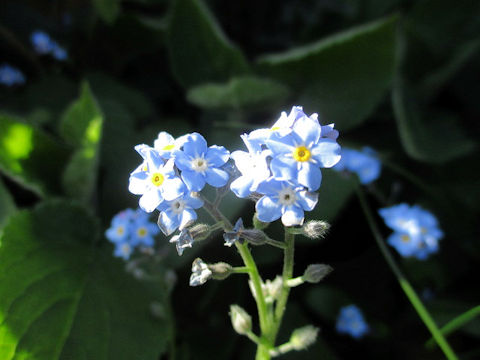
(130, 229)
(283, 164)
(416, 232)
(44, 45)
(171, 175)
(350, 321)
(364, 163)
(10, 76)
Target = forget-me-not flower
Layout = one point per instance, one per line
(200, 164)
(142, 230)
(178, 213)
(166, 144)
(155, 180)
(119, 229)
(59, 52)
(252, 165)
(284, 199)
(41, 41)
(10, 75)
(350, 321)
(299, 155)
(364, 163)
(182, 241)
(416, 231)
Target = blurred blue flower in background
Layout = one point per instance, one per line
(364, 163)
(416, 231)
(44, 45)
(11, 76)
(350, 321)
(130, 229)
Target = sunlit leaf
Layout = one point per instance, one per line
(81, 127)
(63, 298)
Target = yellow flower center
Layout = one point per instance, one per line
(145, 167)
(302, 154)
(405, 238)
(142, 232)
(157, 179)
(120, 230)
(168, 147)
(275, 128)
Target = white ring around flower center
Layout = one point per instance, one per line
(199, 164)
(177, 206)
(287, 196)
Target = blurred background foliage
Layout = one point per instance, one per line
(399, 76)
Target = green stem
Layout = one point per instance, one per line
(404, 284)
(456, 323)
(287, 274)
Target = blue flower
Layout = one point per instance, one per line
(59, 52)
(253, 167)
(350, 321)
(119, 229)
(10, 75)
(155, 180)
(142, 230)
(200, 164)
(166, 144)
(364, 163)
(233, 236)
(178, 213)
(299, 155)
(41, 42)
(416, 231)
(182, 240)
(284, 199)
(123, 249)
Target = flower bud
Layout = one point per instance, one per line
(200, 273)
(315, 229)
(257, 224)
(273, 288)
(241, 321)
(200, 232)
(254, 236)
(220, 270)
(303, 337)
(316, 272)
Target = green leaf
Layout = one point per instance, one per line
(342, 77)
(199, 50)
(81, 127)
(436, 140)
(239, 92)
(30, 157)
(63, 299)
(108, 10)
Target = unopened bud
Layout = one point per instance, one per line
(315, 229)
(241, 321)
(257, 224)
(303, 337)
(199, 231)
(273, 288)
(200, 273)
(316, 272)
(254, 236)
(220, 270)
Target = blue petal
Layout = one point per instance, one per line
(138, 183)
(196, 145)
(193, 201)
(292, 215)
(183, 161)
(267, 209)
(173, 188)
(168, 222)
(155, 161)
(241, 186)
(326, 152)
(308, 130)
(217, 155)
(270, 187)
(284, 168)
(282, 145)
(195, 181)
(310, 176)
(187, 217)
(307, 200)
(216, 177)
(150, 200)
